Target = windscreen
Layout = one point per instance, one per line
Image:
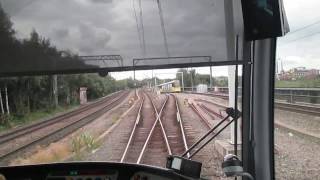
(155, 94)
(111, 34)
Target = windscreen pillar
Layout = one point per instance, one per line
(233, 20)
(232, 98)
(263, 108)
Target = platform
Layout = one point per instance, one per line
(224, 147)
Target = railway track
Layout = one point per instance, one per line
(157, 132)
(304, 109)
(22, 139)
(298, 108)
(283, 106)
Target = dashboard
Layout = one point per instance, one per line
(88, 171)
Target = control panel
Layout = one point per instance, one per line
(83, 175)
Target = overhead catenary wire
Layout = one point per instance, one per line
(163, 28)
(301, 29)
(137, 24)
(300, 38)
(142, 29)
(305, 27)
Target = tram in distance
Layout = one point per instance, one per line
(170, 87)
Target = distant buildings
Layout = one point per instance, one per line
(298, 73)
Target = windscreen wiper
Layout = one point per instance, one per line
(188, 167)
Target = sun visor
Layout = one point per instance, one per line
(122, 35)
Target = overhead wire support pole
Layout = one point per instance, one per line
(210, 85)
(163, 28)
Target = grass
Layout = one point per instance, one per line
(42, 114)
(115, 118)
(56, 153)
(305, 83)
(83, 142)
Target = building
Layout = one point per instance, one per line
(298, 73)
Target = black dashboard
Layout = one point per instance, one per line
(88, 171)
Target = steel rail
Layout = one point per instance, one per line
(19, 132)
(213, 103)
(161, 125)
(292, 108)
(133, 131)
(309, 110)
(207, 112)
(179, 119)
(211, 111)
(203, 119)
(160, 122)
(137, 93)
(73, 126)
(151, 131)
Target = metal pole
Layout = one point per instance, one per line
(236, 130)
(182, 82)
(191, 80)
(1, 103)
(134, 78)
(7, 99)
(210, 78)
(152, 79)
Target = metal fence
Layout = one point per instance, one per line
(290, 95)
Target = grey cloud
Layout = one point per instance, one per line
(60, 33)
(13, 7)
(101, 1)
(193, 27)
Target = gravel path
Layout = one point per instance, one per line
(303, 121)
(115, 142)
(297, 157)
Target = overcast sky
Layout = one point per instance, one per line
(301, 48)
(91, 27)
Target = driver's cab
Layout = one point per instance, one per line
(140, 36)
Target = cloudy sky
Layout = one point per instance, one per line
(301, 47)
(93, 27)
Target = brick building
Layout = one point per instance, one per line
(298, 73)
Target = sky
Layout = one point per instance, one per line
(301, 48)
(94, 27)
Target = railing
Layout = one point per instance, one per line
(290, 95)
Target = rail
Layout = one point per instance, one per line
(296, 108)
(181, 126)
(133, 131)
(203, 119)
(308, 109)
(152, 129)
(18, 132)
(65, 130)
(291, 95)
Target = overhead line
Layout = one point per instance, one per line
(137, 24)
(305, 27)
(303, 37)
(163, 28)
(142, 28)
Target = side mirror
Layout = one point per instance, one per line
(232, 167)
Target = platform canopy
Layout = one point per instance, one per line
(123, 35)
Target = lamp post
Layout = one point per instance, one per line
(182, 81)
